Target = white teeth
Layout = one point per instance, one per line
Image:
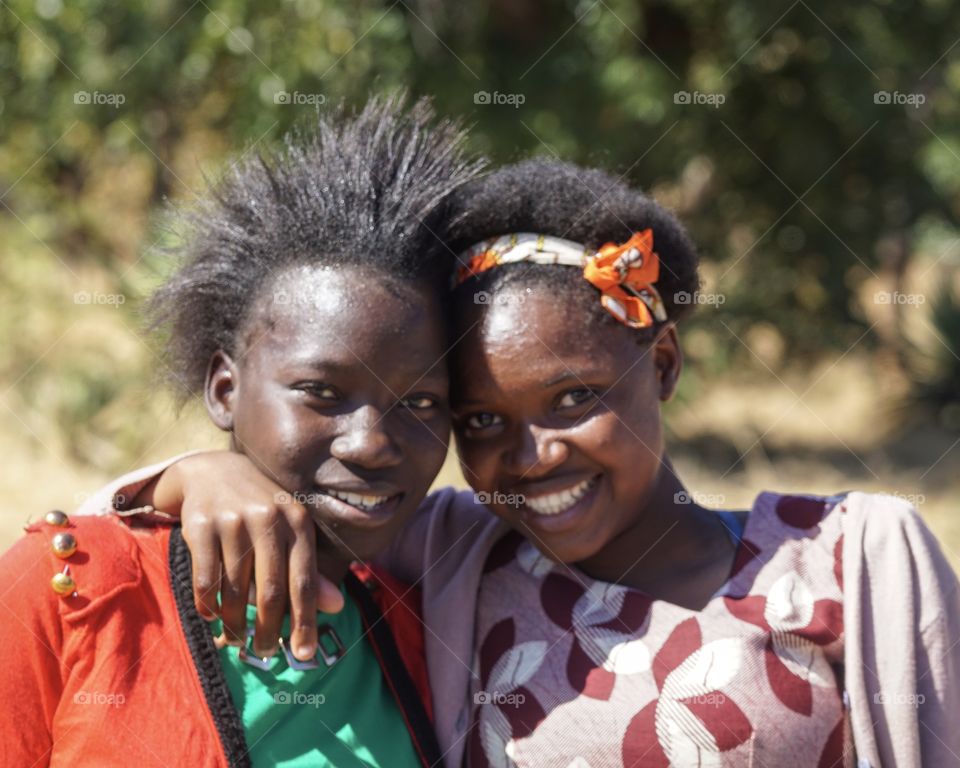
(358, 500)
(555, 503)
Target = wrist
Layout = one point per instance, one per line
(165, 493)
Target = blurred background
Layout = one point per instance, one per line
(813, 149)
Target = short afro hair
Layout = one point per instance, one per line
(365, 189)
(586, 205)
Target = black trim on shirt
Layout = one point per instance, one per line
(206, 659)
(398, 679)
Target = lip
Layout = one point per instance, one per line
(338, 511)
(567, 519)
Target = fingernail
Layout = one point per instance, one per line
(305, 651)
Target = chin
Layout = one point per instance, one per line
(363, 547)
(565, 551)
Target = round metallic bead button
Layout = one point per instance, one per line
(56, 518)
(63, 584)
(64, 545)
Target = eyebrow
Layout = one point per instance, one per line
(320, 364)
(558, 379)
(431, 375)
(569, 376)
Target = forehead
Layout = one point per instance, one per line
(346, 315)
(534, 338)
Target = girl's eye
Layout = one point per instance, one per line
(419, 402)
(318, 390)
(482, 420)
(577, 397)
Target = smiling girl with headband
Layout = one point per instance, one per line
(600, 616)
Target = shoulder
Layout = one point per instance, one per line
(802, 511)
(878, 514)
(872, 527)
(886, 526)
(790, 539)
(792, 526)
(882, 511)
(458, 512)
(461, 528)
(450, 519)
(448, 531)
(99, 557)
(893, 538)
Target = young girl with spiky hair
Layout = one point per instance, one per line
(307, 311)
(600, 616)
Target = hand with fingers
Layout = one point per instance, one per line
(246, 535)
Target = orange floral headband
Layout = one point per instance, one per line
(624, 274)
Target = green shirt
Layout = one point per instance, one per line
(342, 716)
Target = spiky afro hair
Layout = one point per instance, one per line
(586, 205)
(366, 190)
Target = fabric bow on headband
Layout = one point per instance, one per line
(624, 274)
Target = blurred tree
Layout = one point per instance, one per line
(809, 147)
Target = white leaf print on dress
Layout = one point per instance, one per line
(789, 603)
(790, 607)
(706, 669)
(614, 648)
(693, 747)
(684, 737)
(494, 733)
(530, 559)
(629, 658)
(804, 659)
(516, 666)
(599, 604)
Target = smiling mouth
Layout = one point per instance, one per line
(363, 502)
(561, 501)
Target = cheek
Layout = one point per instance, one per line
(478, 462)
(424, 446)
(636, 454)
(624, 448)
(290, 440)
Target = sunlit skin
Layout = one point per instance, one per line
(543, 401)
(341, 385)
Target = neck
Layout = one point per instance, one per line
(331, 563)
(668, 539)
(332, 568)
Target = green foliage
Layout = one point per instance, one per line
(791, 185)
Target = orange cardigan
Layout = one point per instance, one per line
(124, 671)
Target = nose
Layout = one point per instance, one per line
(365, 441)
(535, 452)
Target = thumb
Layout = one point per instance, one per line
(329, 596)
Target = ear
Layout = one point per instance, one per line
(668, 360)
(220, 389)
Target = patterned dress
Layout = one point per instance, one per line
(577, 673)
